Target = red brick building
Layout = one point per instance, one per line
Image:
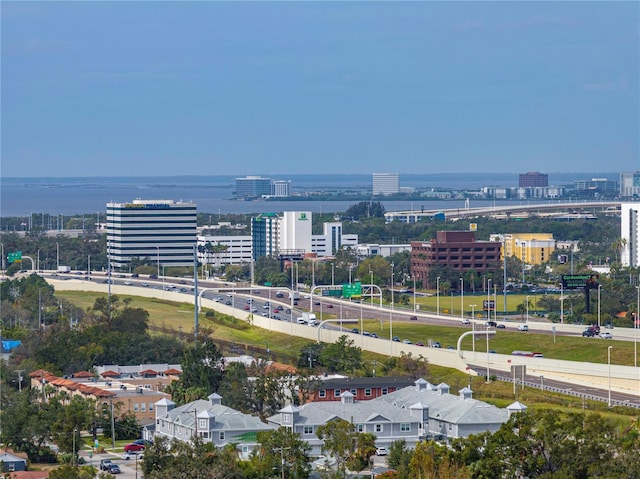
(456, 251)
(362, 389)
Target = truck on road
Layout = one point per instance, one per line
(308, 318)
(64, 269)
(295, 295)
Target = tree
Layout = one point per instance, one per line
(338, 441)
(365, 448)
(342, 356)
(282, 449)
(201, 373)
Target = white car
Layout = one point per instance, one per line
(606, 335)
(466, 321)
(381, 451)
(128, 283)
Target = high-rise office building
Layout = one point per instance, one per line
(280, 188)
(295, 231)
(251, 187)
(162, 230)
(385, 184)
(533, 178)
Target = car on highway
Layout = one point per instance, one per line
(374, 335)
(406, 341)
(523, 327)
(501, 326)
(246, 307)
(588, 333)
(413, 318)
(254, 310)
(606, 335)
(105, 463)
(330, 306)
(419, 343)
(144, 285)
(436, 344)
(128, 283)
(114, 469)
(466, 321)
(491, 324)
(396, 339)
(288, 311)
(355, 331)
(227, 302)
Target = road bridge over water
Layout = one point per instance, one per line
(570, 210)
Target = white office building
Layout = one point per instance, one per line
(280, 188)
(630, 184)
(161, 230)
(220, 250)
(386, 184)
(295, 231)
(629, 231)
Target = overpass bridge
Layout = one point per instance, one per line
(570, 210)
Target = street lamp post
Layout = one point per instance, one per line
(57, 255)
(527, 301)
(487, 353)
(561, 305)
(609, 367)
(438, 296)
(414, 294)
(371, 289)
(473, 326)
(391, 309)
(488, 298)
(462, 298)
(599, 289)
(158, 258)
(635, 328)
(333, 277)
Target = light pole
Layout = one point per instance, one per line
(391, 310)
(487, 353)
(488, 298)
(527, 304)
(333, 277)
(473, 327)
(438, 296)
(57, 255)
(635, 327)
(371, 288)
(462, 298)
(88, 267)
(158, 258)
(2, 252)
(414, 294)
(599, 289)
(350, 266)
(609, 366)
(542, 383)
(561, 305)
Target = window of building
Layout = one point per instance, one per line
(308, 430)
(143, 407)
(353, 391)
(286, 418)
(136, 407)
(450, 427)
(150, 406)
(202, 423)
(360, 427)
(336, 393)
(405, 427)
(367, 392)
(221, 435)
(322, 393)
(379, 428)
(385, 391)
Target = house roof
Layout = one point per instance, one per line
(29, 474)
(172, 371)
(447, 407)
(83, 374)
(376, 382)
(8, 457)
(225, 418)
(110, 374)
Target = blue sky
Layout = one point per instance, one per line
(170, 88)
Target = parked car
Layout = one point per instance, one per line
(144, 442)
(606, 335)
(132, 455)
(133, 447)
(381, 451)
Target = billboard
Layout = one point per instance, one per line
(577, 281)
(489, 305)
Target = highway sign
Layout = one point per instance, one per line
(17, 256)
(351, 289)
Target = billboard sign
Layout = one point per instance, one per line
(489, 305)
(577, 281)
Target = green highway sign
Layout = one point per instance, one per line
(351, 289)
(17, 256)
(268, 284)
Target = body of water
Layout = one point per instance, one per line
(214, 194)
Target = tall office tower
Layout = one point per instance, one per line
(251, 187)
(265, 235)
(333, 235)
(630, 184)
(280, 188)
(629, 232)
(162, 230)
(385, 184)
(295, 231)
(533, 178)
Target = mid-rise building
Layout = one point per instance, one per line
(630, 234)
(385, 184)
(455, 250)
(161, 230)
(295, 231)
(218, 250)
(530, 248)
(533, 178)
(596, 187)
(265, 235)
(280, 188)
(251, 187)
(630, 184)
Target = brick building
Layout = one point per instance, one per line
(455, 251)
(363, 389)
(533, 179)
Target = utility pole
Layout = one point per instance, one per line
(19, 373)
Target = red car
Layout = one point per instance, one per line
(133, 447)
